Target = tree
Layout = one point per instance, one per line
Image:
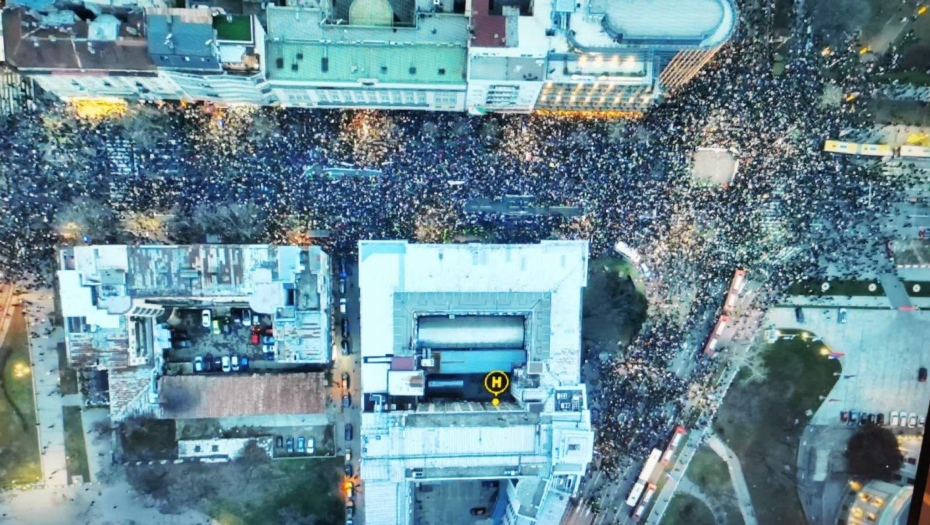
(872, 453)
(251, 457)
(235, 223)
(84, 216)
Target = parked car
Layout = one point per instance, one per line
(216, 327)
(893, 421)
(208, 363)
(880, 419)
(217, 363)
(345, 328)
(268, 339)
(870, 419)
(841, 318)
(256, 320)
(247, 317)
(350, 511)
(348, 454)
(227, 365)
(269, 352)
(279, 442)
(853, 417)
(349, 469)
(345, 347)
(342, 305)
(350, 490)
(345, 380)
(269, 330)
(301, 445)
(235, 363)
(903, 422)
(346, 400)
(311, 446)
(225, 326)
(922, 374)
(844, 416)
(342, 286)
(912, 421)
(206, 318)
(478, 511)
(255, 339)
(244, 363)
(348, 431)
(921, 421)
(863, 417)
(198, 364)
(290, 445)
(183, 344)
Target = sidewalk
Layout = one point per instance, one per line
(43, 352)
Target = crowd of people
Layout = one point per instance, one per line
(789, 207)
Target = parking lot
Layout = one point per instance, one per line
(882, 353)
(455, 502)
(223, 334)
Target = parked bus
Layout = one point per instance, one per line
(914, 152)
(711, 346)
(641, 508)
(736, 288)
(876, 150)
(836, 146)
(673, 444)
(644, 476)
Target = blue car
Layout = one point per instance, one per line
(348, 431)
(243, 363)
(290, 445)
(301, 445)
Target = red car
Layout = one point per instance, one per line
(255, 339)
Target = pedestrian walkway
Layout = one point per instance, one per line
(47, 385)
(689, 487)
(736, 476)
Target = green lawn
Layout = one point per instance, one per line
(300, 491)
(709, 472)
(75, 447)
(19, 442)
(836, 288)
(687, 510)
(69, 381)
(762, 422)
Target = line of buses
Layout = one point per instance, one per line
(736, 288)
(876, 150)
(644, 487)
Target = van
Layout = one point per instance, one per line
(799, 315)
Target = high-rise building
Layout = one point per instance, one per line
(438, 324)
(452, 55)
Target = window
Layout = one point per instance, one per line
(197, 448)
(300, 56)
(384, 70)
(442, 71)
(324, 64)
(413, 70)
(294, 66)
(216, 448)
(279, 62)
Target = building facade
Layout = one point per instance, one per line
(435, 321)
(445, 55)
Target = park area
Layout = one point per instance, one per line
(19, 443)
(709, 473)
(251, 490)
(687, 510)
(762, 421)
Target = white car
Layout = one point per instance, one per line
(893, 420)
(912, 421)
(903, 422)
(235, 363)
(342, 305)
(206, 318)
(921, 421)
(226, 364)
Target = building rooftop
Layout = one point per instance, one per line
(669, 23)
(182, 39)
(107, 292)
(73, 44)
(302, 47)
(212, 396)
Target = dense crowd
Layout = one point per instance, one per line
(790, 208)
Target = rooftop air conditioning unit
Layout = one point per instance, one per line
(534, 368)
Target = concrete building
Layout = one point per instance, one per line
(123, 305)
(435, 320)
(478, 55)
(318, 60)
(878, 503)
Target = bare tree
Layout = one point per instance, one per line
(233, 222)
(84, 216)
(252, 457)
